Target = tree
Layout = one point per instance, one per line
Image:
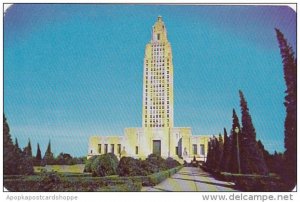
(14, 161)
(290, 124)
(253, 161)
(64, 159)
(219, 152)
(17, 146)
(235, 143)
(38, 157)
(28, 150)
(209, 158)
(10, 157)
(48, 157)
(226, 153)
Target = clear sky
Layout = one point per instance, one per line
(72, 71)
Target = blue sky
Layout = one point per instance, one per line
(72, 71)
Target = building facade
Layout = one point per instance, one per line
(157, 134)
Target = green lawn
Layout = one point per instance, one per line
(78, 168)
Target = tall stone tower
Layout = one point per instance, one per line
(158, 102)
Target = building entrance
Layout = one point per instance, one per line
(157, 147)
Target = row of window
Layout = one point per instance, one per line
(112, 148)
(156, 125)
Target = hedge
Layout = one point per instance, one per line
(53, 182)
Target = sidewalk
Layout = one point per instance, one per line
(191, 179)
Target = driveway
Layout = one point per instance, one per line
(191, 179)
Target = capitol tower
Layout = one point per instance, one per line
(158, 102)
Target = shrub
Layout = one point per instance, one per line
(148, 167)
(171, 163)
(88, 163)
(129, 166)
(158, 161)
(156, 178)
(126, 187)
(104, 165)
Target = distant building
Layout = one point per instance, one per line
(157, 134)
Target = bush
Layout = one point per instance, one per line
(129, 166)
(126, 187)
(156, 178)
(88, 163)
(148, 167)
(158, 161)
(171, 163)
(104, 165)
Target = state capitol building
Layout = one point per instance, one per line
(157, 134)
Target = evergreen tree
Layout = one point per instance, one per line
(209, 157)
(215, 153)
(219, 152)
(48, 157)
(19, 151)
(10, 157)
(28, 150)
(16, 143)
(253, 161)
(38, 157)
(224, 165)
(290, 125)
(235, 144)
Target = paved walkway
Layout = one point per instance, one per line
(191, 179)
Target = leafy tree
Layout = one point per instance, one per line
(253, 161)
(290, 125)
(48, 157)
(64, 159)
(235, 143)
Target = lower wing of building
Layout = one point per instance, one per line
(177, 143)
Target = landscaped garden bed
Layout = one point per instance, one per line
(130, 175)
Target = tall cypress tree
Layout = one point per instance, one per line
(209, 157)
(219, 152)
(28, 150)
(48, 157)
(235, 143)
(38, 157)
(253, 161)
(10, 156)
(290, 125)
(19, 151)
(224, 165)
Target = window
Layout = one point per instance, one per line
(112, 147)
(176, 150)
(119, 148)
(105, 148)
(194, 149)
(158, 36)
(202, 151)
(99, 148)
(136, 150)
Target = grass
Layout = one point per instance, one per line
(78, 168)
